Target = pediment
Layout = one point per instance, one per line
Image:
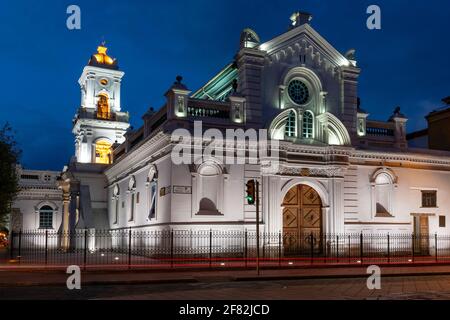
(304, 40)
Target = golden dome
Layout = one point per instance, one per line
(102, 59)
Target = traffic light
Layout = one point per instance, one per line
(251, 192)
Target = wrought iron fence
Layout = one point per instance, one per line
(174, 248)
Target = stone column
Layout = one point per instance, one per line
(349, 99)
(65, 222)
(336, 210)
(73, 208)
(250, 64)
(400, 132)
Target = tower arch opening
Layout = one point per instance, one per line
(103, 152)
(103, 109)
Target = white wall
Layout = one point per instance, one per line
(406, 200)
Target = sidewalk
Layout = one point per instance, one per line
(10, 278)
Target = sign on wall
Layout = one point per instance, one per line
(164, 191)
(182, 190)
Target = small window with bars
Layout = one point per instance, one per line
(429, 199)
(46, 218)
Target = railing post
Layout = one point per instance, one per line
(389, 248)
(210, 248)
(11, 245)
(349, 248)
(85, 248)
(171, 248)
(246, 247)
(20, 246)
(311, 238)
(279, 248)
(337, 248)
(46, 247)
(361, 245)
(129, 248)
(413, 246)
(435, 247)
(264, 246)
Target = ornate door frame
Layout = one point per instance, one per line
(302, 219)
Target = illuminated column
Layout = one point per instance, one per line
(237, 109)
(349, 99)
(116, 106)
(400, 132)
(73, 208)
(65, 217)
(177, 100)
(281, 91)
(362, 124)
(250, 63)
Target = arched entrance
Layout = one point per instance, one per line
(302, 220)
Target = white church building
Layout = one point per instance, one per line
(332, 169)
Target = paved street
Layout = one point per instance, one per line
(393, 288)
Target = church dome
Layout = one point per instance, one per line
(102, 60)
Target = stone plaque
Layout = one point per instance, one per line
(182, 190)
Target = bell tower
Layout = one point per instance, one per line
(99, 122)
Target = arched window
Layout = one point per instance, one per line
(152, 182)
(290, 128)
(116, 199)
(46, 217)
(132, 191)
(383, 194)
(308, 126)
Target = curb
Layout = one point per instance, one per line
(341, 276)
(137, 269)
(101, 283)
(219, 279)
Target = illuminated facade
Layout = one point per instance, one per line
(339, 171)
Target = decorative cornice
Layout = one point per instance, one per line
(325, 172)
(405, 157)
(139, 157)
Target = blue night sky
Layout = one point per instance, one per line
(406, 63)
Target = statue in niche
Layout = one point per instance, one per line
(103, 107)
(180, 104)
(361, 125)
(237, 112)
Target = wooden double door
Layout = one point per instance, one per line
(302, 220)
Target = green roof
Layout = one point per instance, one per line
(219, 87)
